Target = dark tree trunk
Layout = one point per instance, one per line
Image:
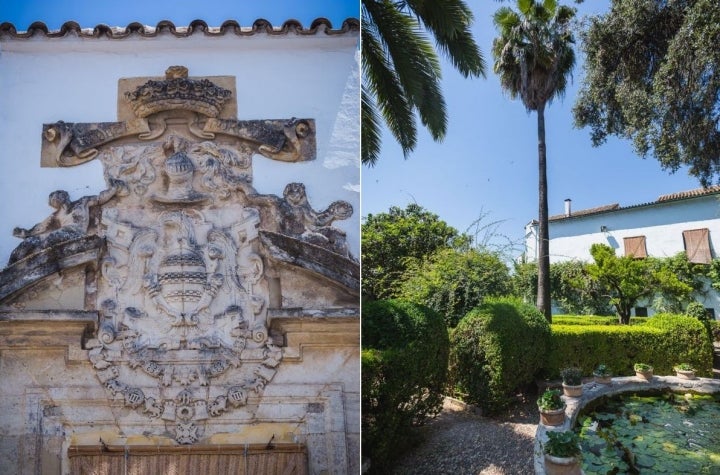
(543, 295)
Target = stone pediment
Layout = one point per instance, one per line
(184, 256)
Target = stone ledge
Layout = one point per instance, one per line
(82, 316)
(36, 267)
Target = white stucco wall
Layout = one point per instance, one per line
(75, 80)
(661, 224)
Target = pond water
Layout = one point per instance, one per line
(647, 434)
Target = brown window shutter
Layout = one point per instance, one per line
(635, 247)
(697, 245)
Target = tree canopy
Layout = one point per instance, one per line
(627, 280)
(652, 75)
(393, 240)
(401, 69)
(453, 282)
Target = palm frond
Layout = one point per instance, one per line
(449, 22)
(370, 130)
(383, 84)
(414, 61)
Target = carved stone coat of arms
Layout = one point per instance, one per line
(181, 291)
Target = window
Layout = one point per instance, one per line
(635, 247)
(711, 313)
(697, 245)
(641, 311)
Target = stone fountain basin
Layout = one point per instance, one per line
(593, 391)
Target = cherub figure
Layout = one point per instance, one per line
(299, 219)
(70, 220)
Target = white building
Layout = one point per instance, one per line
(687, 221)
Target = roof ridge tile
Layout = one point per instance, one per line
(260, 25)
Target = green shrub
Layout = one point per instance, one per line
(404, 370)
(497, 349)
(715, 330)
(697, 310)
(663, 341)
(453, 282)
(593, 320)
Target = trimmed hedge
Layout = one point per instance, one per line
(663, 341)
(497, 349)
(404, 370)
(593, 320)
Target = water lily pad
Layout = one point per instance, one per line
(644, 461)
(666, 434)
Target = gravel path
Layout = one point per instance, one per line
(461, 442)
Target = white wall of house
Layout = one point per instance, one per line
(662, 224)
(76, 80)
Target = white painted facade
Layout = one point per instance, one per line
(73, 79)
(661, 222)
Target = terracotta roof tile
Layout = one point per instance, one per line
(690, 194)
(681, 195)
(584, 212)
(259, 26)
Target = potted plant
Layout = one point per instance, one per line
(562, 453)
(602, 374)
(643, 370)
(552, 408)
(685, 371)
(572, 382)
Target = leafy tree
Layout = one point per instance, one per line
(393, 240)
(534, 57)
(626, 280)
(524, 280)
(680, 268)
(652, 75)
(453, 282)
(401, 70)
(575, 291)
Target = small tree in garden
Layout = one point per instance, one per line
(392, 241)
(626, 280)
(453, 282)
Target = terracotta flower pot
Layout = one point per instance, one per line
(572, 391)
(685, 374)
(562, 465)
(602, 379)
(553, 417)
(646, 375)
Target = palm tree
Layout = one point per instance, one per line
(534, 57)
(401, 69)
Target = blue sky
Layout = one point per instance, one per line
(488, 160)
(487, 165)
(89, 13)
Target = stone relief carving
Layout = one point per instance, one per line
(70, 220)
(295, 217)
(182, 293)
(198, 102)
